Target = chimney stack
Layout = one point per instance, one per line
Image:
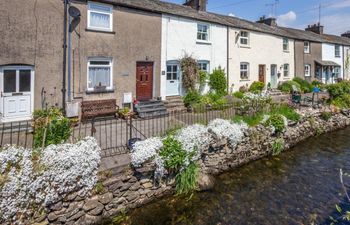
(200, 5)
(346, 34)
(271, 21)
(316, 28)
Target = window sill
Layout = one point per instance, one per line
(245, 80)
(203, 42)
(99, 31)
(244, 46)
(286, 51)
(100, 92)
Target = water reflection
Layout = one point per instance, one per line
(298, 187)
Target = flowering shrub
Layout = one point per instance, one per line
(227, 130)
(277, 122)
(43, 179)
(145, 150)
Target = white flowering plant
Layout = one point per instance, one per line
(39, 179)
(224, 129)
(146, 150)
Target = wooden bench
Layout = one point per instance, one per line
(99, 108)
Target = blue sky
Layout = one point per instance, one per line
(292, 13)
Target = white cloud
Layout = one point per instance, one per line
(286, 19)
(341, 4)
(231, 14)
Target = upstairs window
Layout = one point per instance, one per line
(244, 38)
(306, 47)
(244, 71)
(285, 44)
(203, 32)
(100, 74)
(337, 51)
(307, 70)
(286, 70)
(100, 17)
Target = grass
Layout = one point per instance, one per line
(186, 180)
(250, 120)
(277, 146)
(286, 111)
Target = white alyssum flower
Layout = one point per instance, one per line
(60, 170)
(145, 150)
(224, 129)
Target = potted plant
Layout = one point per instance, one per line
(125, 113)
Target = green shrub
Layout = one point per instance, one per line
(172, 154)
(256, 87)
(203, 76)
(286, 111)
(276, 121)
(342, 101)
(250, 120)
(305, 86)
(50, 127)
(338, 89)
(190, 72)
(238, 94)
(287, 86)
(277, 146)
(191, 98)
(186, 180)
(317, 83)
(218, 81)
(220, 103)
(326, 115)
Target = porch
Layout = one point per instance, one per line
(327, 71)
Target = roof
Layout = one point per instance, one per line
(161, 7)
(327, 63)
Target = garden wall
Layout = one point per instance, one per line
(134, 188)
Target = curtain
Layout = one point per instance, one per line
(99, 20)
(99, 77)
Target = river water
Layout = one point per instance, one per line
(298, 187)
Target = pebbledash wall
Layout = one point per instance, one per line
(135, 188)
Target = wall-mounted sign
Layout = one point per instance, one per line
(163, 72)
(127, 98)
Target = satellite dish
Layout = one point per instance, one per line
(74, 12)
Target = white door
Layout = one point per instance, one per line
(274, 76)
(173, 80)
(17, 84)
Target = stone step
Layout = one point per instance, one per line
(149, 106)
(153, 113)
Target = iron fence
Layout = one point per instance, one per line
(113, 134)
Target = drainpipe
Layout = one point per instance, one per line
(65, 2)
(69, 60)
(228, 59)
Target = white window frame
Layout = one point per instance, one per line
(286, 72)
(285, 44)
(338, 73)
(110, 14)
(203, 33)
(241, 37)
(307, 70)
(202, 62)
(306, 47)
(247, 70)
(337, 53)
(110, 60)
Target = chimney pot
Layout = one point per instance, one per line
(271, 21)
(316, 28)
(200, 5)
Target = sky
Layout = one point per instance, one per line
(335, 14)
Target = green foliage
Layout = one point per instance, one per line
(256, 87)
(203, 76)
(218, 81)
(285, 110)
(190, 72)
(50, 127)
(99, 188)
(277, 146)
(342, 101)
(250, 120)
(318, 84)
(338, 89)
(172, 154)
(305, 86)
(326, 115)
(191, 97)
(121, 218)
(186, 180)
(124, 111)
(287, 86)
(276, 121)
(238, 94)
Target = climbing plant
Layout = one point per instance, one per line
(190, 72)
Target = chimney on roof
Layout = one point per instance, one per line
(316, 28)
(271, 21)
(346, 34)
(200, 5)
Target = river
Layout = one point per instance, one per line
(301, 186)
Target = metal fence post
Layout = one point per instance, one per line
(93, 129)
(130, 131)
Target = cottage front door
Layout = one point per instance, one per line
(262, 69)
(17, 86)
(144, 81)
(274, 77)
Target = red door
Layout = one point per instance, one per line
(262, 69)
(144, 81)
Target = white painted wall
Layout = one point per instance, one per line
(347, 62)
(328, 54)
(179, 36)
(264, 49)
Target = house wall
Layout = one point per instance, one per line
(328, 54)
(302, 58)
(347, 62)
(264, 49)
(179, 36)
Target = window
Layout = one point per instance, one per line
(203, 32)
(172, 72)
(244, 71)
(337, 72)
(307, 70)
(244, 38)
(100, 74)
(337, 51)
(100, 17)
(203, 66)
(286, 70)
(306, 47)
(285, 44)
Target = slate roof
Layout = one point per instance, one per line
(161, 7)
(327, 63)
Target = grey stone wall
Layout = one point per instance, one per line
(135, 188)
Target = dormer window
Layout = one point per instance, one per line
(244, 38)
(100, 16)
(306, 47)
(285, 44)
(203, 32)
